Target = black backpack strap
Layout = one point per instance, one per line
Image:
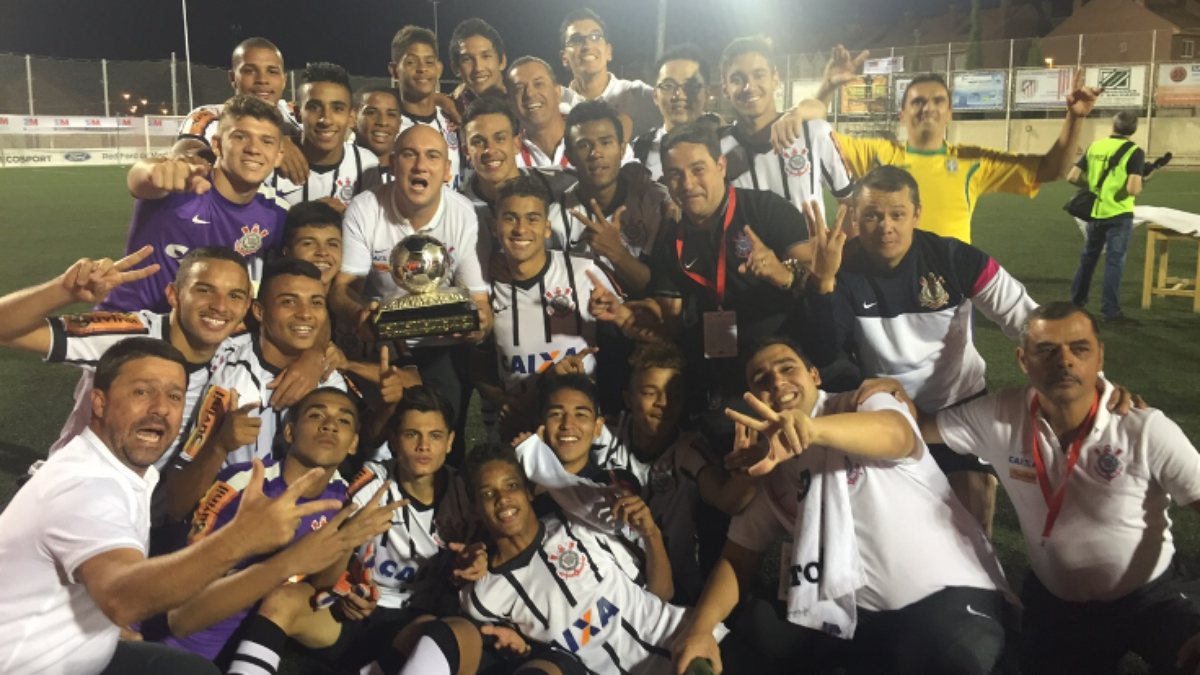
(1112, 164)
(642, 145)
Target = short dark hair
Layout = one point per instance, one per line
(1125, 123)
(245, 105)
(522, 61)
(888, 179)
(649, 355)
(323, 71)
(360, 96)
(483, 454)
(205, 253)
(252, 43)
(700, 132)
(754, 44)
(132, 349)
(490, 105)
(773, 340)
(309, 214)
(524, 186)
(591, 111)
(1056, 311)
(580, 14)
(923, 78)
(571, 382)
(285, 267)
(411, 35)
(475, 27)
(298, 407)
(686, 51)
(421, 398)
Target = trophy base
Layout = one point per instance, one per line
(427, 315)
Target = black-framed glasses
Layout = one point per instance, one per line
(670, 88)
(578, 39)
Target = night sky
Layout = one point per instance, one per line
(356, 33)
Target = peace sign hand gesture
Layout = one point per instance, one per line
(602, 236)
(828, 244)
(788, 433)
(91, 281)
(1082, 99)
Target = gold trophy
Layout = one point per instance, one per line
(420, 265)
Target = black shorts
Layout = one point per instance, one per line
(1091, 638)
(361, 642)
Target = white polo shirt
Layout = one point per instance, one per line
(83, 502)
(914, 537)
(633, 98)
(1113, 534)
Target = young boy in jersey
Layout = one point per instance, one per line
(607, 216)
(377, 124)
(337, 170)
(321, 431)
(313, 232)
(236, 423)
(182, 206)
(412, 560)
(417, 69)
(886, 572)
(478, 60)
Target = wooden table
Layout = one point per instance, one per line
(1158, 241)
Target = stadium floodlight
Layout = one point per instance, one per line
(1049, 62)
(125, 95)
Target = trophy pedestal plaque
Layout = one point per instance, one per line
(419, 265)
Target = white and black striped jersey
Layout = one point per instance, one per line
(453, 146)
(412, 564)
(245, 370)
(565, 591)
(647, 150)
(556, 182)
(358, 171)
(541, 320)
(645, 203)
(797, 173)
(669, 487)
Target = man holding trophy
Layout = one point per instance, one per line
(440, 305)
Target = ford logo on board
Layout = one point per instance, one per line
(77, 156)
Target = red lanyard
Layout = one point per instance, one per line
(528, 157)
(718, 287)
(1054, 501)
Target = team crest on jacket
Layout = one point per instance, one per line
(796, 162)
(633, 232)
(569, 561)
(662, 480)
(952, 165)
(1108, 462)
(742, 246)
(558, 301)
(854, 472)
(252, 239)
(933, 292)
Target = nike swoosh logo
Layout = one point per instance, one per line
(869, 305)
(196, 220)
(973, 612)
(689, 265)
(281, 193)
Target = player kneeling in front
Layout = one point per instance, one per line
(888, 573)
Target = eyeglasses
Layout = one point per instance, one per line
(670, 88)
(578, 39)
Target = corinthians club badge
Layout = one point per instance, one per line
(420, 265)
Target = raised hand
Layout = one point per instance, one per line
(393, 380)
(264, 524)
(238, 428)
(575, 362)
(763, 263)
(1082, 99)
(91, 281)
(788, 433)
(604, 304)
(828, 244)
(842, 68)
(524, 435)
(184, 174)
(634, 512)
(470, 561)
(602, 236)
(350, 528)
(747, 451)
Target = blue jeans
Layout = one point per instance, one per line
(1115, 233)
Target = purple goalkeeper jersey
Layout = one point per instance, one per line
(181, 222)
(219, 507)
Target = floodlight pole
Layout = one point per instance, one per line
(29, 81)
(187, 56)
(435, 16)
(661, 44)
(104, 79)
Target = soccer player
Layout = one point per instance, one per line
(886, 571)
(380, 218)
(572, 593)
(587, 53)
(377, 124)
(238, 424)
(321, 431)
(416, 68)
(536, 294)
(77, 534)
(256, 70)
(901, 299)
(182, 206)
(313, 233)
(618, 219)
(478, 60)
(750, 78)
(680, 94)
(537, 98)
(208, 301)
(1091, 489)
(338, 170)
(493, 145)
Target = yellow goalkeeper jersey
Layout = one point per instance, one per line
(951, 178)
